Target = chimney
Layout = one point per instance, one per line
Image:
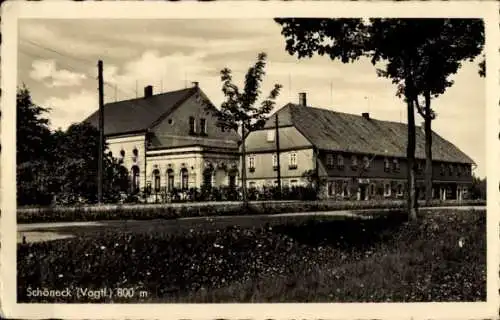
(196, 84)
(303, 99)
(366, 115)
(148, 91)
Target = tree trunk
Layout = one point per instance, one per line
(243, 168)
(428, 149)
(410, 154)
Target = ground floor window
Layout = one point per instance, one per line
(184, 179)
(170, 180)
(135, 179)
(156, 175)
(387, 189)
(207, 178)
(400, 189)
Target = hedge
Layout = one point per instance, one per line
(182, 210)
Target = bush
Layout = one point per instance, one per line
(176, 210)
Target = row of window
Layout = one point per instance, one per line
(341, 188)
(193, 128)
(292, 161)
(135, 152)
(452, 169)
(333, 161)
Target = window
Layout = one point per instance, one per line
(372, 189)
(395, 165)
(135, 152)
(293, 161)
(275, 161)
(450, 169)
(345, 190)
(251, 185)
(400, 190)
(366, 162)
(330, 162)
(354, 162)
(251, 163)
(156, 175)
(170, 179)
(459, 170)
(184, 179)
(442, 169)
(122, 153)
(387, 189)
(135, 179)
(207, 177)
(203, 126)
(340, 161)
(192, 125)
(270, 135)
(387, 165)
(293, 183)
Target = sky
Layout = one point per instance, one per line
(58, 63)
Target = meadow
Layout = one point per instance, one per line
(295, 259)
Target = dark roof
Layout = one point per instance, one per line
(344, 132)
(139, 114)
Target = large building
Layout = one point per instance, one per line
(170, 141)
(355, 156)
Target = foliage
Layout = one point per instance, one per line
(478, 188)
(60, 164)
(211, 209)
(240, 106)
(301, 259)
(240, 110)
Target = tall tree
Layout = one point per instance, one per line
(399, 48)
(241, 111)
(33, 149)
(449, 43)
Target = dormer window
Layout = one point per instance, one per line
(203, 126)
(340, 161)
(366, 162)
(354, 162)
(192, 125)
(330, 161)
(395, 165)
(387, 165)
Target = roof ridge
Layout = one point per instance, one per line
(154, 95)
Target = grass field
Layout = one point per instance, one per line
(294, 259)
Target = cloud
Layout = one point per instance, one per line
(46, 70)
(151, 68)
(76, 107)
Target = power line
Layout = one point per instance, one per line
(56, 52)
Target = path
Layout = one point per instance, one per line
(37, 232)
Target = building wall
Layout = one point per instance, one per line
(177, 123)
(265, 173)
(377, 169)
(128, 143)
(195, 160)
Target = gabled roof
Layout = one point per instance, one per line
(139, 114)
(344, 132)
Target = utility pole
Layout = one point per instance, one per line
(278, 169)
(101, 134)
(243, 166)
